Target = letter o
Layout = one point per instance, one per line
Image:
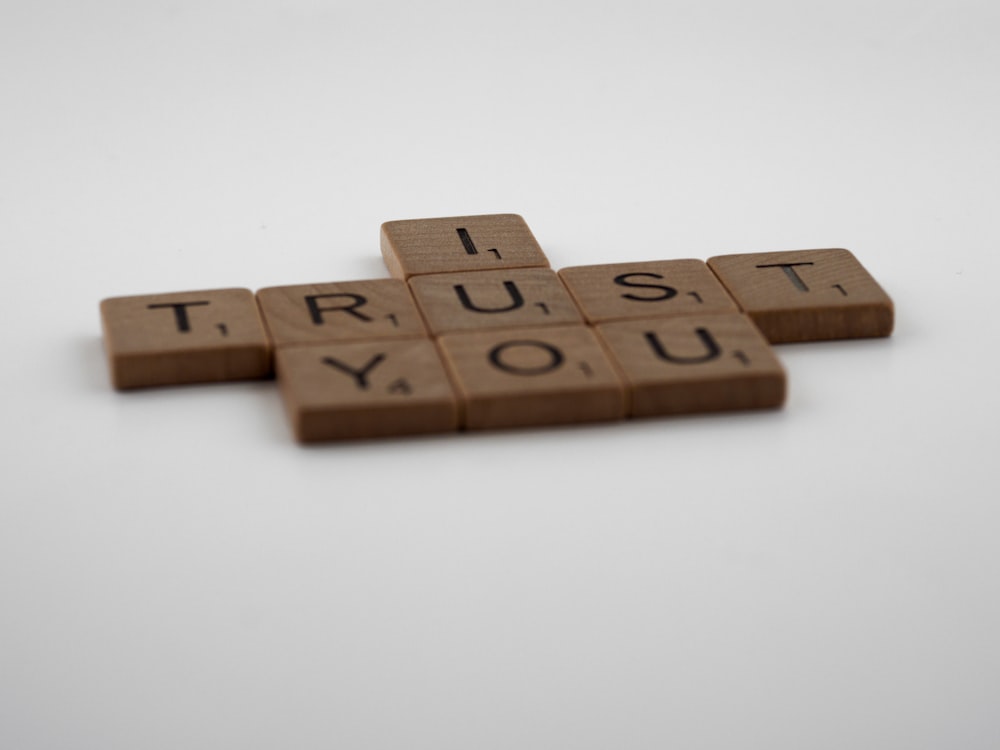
(555, 358)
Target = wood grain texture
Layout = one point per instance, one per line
(807, 295)
(459, 243)
(695, 363)
(365, 389)
(340, 311)
(487, 300)
(533, 376)
(184, 337)
(647, 289)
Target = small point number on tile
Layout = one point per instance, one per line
(401, 386)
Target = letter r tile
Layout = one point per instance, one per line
(341, 311)
(184, 337)
(806, 295)
(459, 243)
(694, 363)
(365, 389)
(532, 376)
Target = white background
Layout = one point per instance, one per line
(175, 572)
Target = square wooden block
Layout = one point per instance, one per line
(621, 291)
(365, 389)
(806, 295)
(486, 300)
(184, 337)
(340, 311)
(459, 243)
(535, 376)
(695, 363)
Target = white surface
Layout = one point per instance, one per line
(176, 573)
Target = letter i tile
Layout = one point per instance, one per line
(364, 389)
(459, 243)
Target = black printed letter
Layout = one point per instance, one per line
(555, 358)
(789, 269)
(668, 291)
(712, 350)
(360, 376)
(317, 312)
(516, 300)
(180, 313)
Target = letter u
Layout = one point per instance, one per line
(516, 300)
(712, 350)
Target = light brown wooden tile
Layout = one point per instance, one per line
(365, 389)
(459, 243)
(694, 363)
(486, 300)
(807, 295)
(533, 376)
(184, 337)
(340, 311)
(648, 289)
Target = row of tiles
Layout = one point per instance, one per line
(563, 374)
(789, 298)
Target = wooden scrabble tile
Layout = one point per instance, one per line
(459, 243)
(533, 376)
(806, 295)
(620, 291)
(493, 299)
(364, 389)
(185, 337)
(694, 363)
(341, 311)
